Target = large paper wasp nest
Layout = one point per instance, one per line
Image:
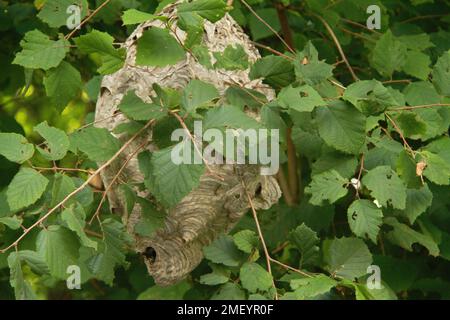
(217, 204)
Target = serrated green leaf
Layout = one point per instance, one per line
(151, 219)
(417, 64)
(369, 96)
(133, 16)
(306, 240)
(26, 188)
(102, 43)
(411, 124)
(59, 247)
(388, 55)
(302, 99)
(308, 288)
(327, 186)
(386, 187)
(198, 94)
(223, 251)
(212, 10)
(441, 74)
(13, 222)
(174, 181)
(56, 140)
(342, 127)
(232, 58)
(112, 251)
(56, 14)
(417, 202)
(254, 277)
(157, 47)
(15, 147)
(22, 288)
(39, 52)
(275, 71)
(365, 219)
(219, 275)
(246, 240)
(62, 84)
(136, 109)
(405, 237)
(97, 143)
(346, 257)
(437, 169)
(75, 217)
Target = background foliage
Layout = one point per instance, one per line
(381, 117)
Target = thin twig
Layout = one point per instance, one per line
(399, 131)
(86, 183)
(278, 53)
(338, 45)
(116, 176)
(420, 106)
(354, 23)
(261, 237)
(183, 124)
(85, 20)
(267, 25)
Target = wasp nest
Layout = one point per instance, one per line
(216, 205)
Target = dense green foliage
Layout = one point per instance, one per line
(372, 149)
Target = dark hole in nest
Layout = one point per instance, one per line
(258, 190)
(150, 254)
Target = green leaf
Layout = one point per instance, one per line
(421, 92)
(219, 275)
(229, 291)
(55, 13)
(327, 186)
(346, 257)
(174, 181)
(246, 240)
(258, 29)
(405, 237)
(388, 55)
(151, 219)
(34, 260)
(417, 64)
(369, 96)
(223, 251)
(342, 127)
(411, 124)
(56, 140)
(112, 251)
(232, 58)
(157, 47)
(39, 52)
(62, 84)
(386, 187)
(302, 99)
(198, 94)
(437, 169)
(314, 72)
(26, 188)
(102, 43)
(13, 222)
(59, 247)
(275, 71)
(254, 277)
(365, 219)
(98, 144)
(308, 288)
(136, 109)
(174, 292)
(15, 147)
(22, 288)
(228, 116)
(75, 218)
(133, 16)
(306, 240)
(202, 55)
(441, 74)
(417, 202)
(212, 10)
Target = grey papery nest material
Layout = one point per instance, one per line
(216, 205)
